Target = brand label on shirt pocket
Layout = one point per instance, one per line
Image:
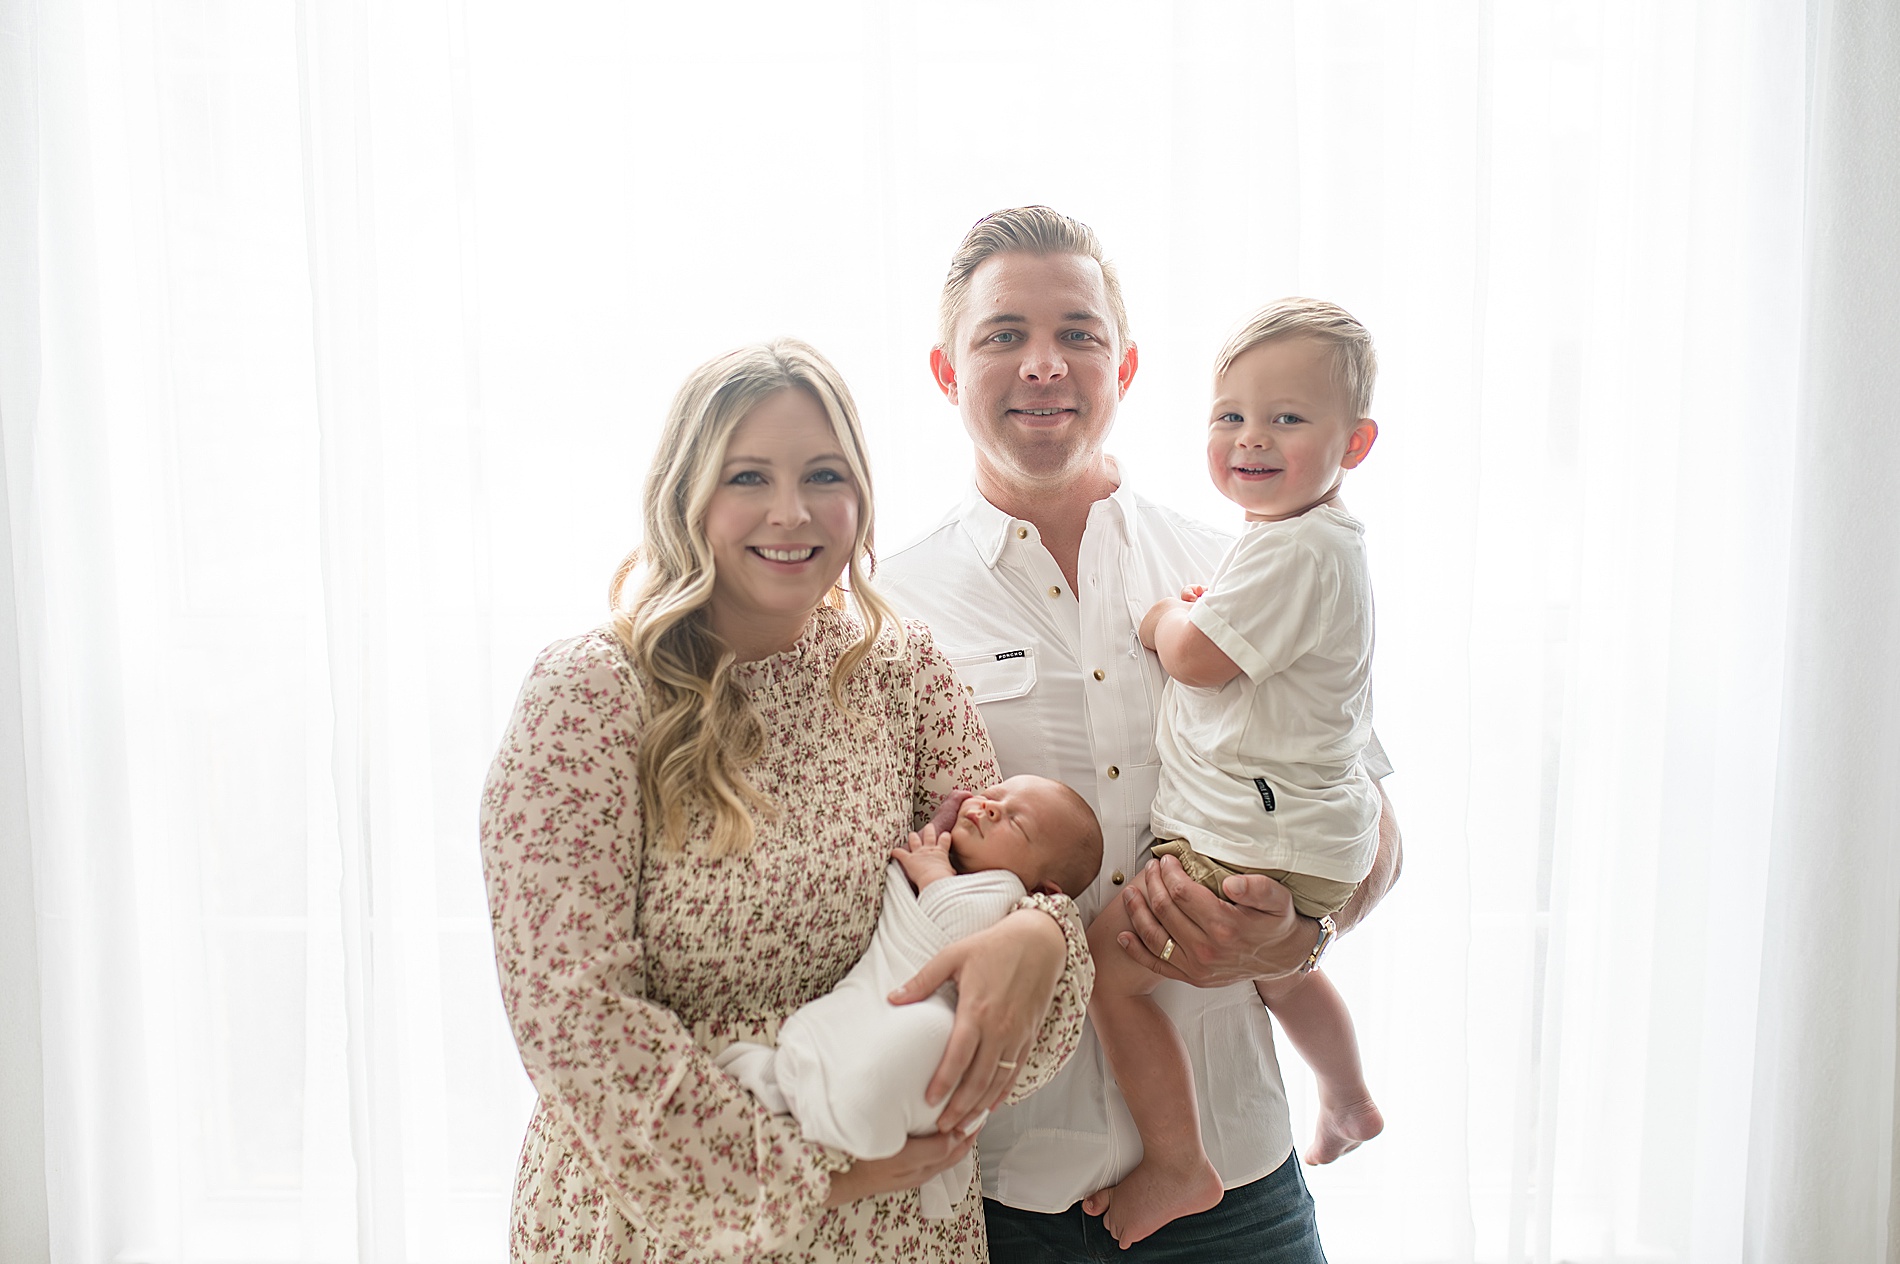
(997, 675)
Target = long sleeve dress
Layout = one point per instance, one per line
(625, 970)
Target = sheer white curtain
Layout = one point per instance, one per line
(333, 341)
(1826, 1124)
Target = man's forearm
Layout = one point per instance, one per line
(1384, 872)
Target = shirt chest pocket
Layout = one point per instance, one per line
(1002, 682)
(997, 676)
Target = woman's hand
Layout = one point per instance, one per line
(919, 1160)
(1005, 976)
(1258, 936)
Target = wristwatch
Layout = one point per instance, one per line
(1327, 933)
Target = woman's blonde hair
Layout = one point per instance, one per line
(702, 732)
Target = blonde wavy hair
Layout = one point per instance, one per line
(702, 732)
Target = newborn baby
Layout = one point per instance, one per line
(850, 1066)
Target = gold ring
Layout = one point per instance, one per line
(1169, 950)
(1005, 1066)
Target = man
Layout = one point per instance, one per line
(1035, 586)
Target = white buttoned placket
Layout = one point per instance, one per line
(1119, 703)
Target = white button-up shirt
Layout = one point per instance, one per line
(1067, 691)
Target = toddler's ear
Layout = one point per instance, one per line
(1047, 888)
(1360, 442)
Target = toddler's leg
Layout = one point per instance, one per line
(1174, 1178)
(1314, 1016)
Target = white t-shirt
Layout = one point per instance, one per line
(1267, 770)
(1067, 691)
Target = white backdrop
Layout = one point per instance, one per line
(333, 341)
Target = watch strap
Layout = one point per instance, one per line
(1327, 933)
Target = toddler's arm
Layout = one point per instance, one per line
(1186, 652)
(925, 856)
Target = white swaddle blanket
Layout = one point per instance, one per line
(850, 1066)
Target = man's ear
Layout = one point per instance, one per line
(944, 372)
(1125, 375)
(1359, 443)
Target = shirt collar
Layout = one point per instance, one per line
(989, 528)
(1123, 501)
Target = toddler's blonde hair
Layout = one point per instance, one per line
(1355, 366)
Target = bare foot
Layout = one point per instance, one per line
(1341, 1129)
(1153, 1195)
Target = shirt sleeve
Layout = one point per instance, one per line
(953, 750)
(1266, 609)
(1378, 766)
(1062, 1026)
(679, 1148)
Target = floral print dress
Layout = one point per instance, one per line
(624, 971)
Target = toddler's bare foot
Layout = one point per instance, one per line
(1341, 1129)
(1152, 1195)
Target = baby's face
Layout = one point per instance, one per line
(1282, 429)
(1010, 826)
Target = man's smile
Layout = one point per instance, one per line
(1043, 415)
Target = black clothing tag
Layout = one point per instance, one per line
(1266, 792)
(1012, 654)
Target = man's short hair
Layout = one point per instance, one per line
(1355, 366)
(1029, 230)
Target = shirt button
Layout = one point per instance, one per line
(1117, 878)
(1100, 674)
(1054, 591)
(1113, 772)
(1022, 533)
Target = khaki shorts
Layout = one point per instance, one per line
(1315, 897)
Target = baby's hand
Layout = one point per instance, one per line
(1193, 593)
(925, 856)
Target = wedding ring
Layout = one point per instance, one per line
(1005, 1066)
(1168, 951)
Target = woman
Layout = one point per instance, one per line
(685, 833)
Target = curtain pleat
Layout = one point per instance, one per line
(1823, 1179)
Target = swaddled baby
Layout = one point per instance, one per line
(850, 1066)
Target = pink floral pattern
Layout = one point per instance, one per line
(624, 971)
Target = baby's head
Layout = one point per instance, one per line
(1038, 829)
(1292, 388)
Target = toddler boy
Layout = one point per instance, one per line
(1264, 723)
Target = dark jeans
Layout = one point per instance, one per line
(1267, 1222)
